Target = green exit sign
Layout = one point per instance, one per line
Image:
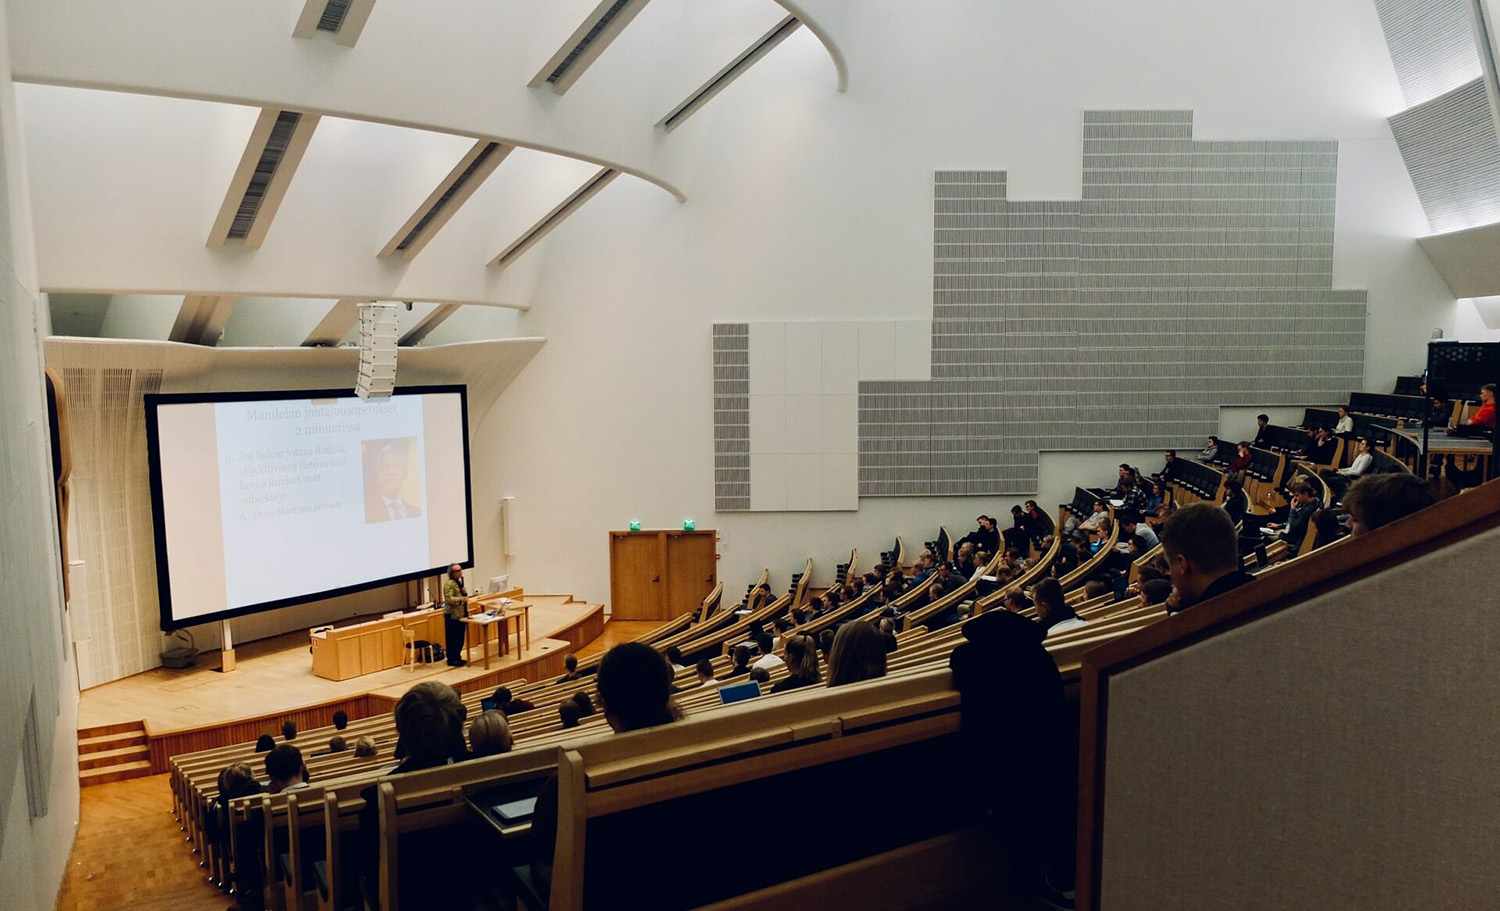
(689, 525)
(635, 524)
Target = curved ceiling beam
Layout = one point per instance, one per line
(840, 67)
(653, 179)
(383, 295)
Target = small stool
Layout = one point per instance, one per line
(409, 659)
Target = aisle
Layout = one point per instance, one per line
(129, 854)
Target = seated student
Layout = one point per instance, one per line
(285, 770)
(1234, 500)
(289, 731)
(1242, 458)
(858, 653)
(926, 565)
(584, 703)
(570, 667)
(1363, 464)
(1155, 591)
(1484, 419)
(1019, 535)
(801, 663)
(238, 780)
(508, 705)
(825, 643)
(760, 675)
(705, 669)
(429, 727)
(1345, 423)
(1131, 496)
(265, 743)
(1156, 494)
(768, 658)
(674, 658)
(981, 561)
(635, 686)
(1131, 525)
(1262, 435)
(1038, 523)
(336, 744)
(1081, 528)
(1440, 412)
(1169, 466)
(364, 747)
(567, 711)
(888, 633)
(1052, 609)
(1321, 449)
(1138, 546)
(1013, 694)
(1377, 500)
(1203, 555)
(963, 562)
(1016, 601)
(1209, 451)
(985, 537)
(1304, 503)
(340, 720)
(1068, 558)
(741, 666)
(489, 735)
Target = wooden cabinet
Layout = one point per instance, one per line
(660, 574)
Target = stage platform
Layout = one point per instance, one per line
(199, 707)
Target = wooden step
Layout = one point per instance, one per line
(122, 772)
(104, 742)
(106, 758)
(119, 727)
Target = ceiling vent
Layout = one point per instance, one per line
(265, 171)
(730, 73)
(554, 218)
(452, 192)
(343, 19)
(586, 43)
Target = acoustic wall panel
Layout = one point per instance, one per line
(731, 416)
(1453, 156)
(1432, 45)
(1189, 275)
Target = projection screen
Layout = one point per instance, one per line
(265, 500)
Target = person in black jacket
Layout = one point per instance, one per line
(1013, 694)
(802, 663)
(1038, 523)
(985, 537)
(1304, 504)
(1203, 556)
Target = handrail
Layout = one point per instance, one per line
(1448, 522)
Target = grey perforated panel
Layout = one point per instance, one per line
(731, 416)
(1451, 152)
(1432, 45)
(1190, 275)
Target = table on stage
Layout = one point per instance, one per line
(498, 616)
(341, 652)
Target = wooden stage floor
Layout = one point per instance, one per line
(275, 675)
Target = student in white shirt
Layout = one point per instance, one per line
(1345, 423)
(1052, 610)
(768, 658)
(1362, 463)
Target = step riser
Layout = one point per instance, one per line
(123, 727)
(104, 762)
(94, 777)
(110, 742)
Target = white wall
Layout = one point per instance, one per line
(35, 674)
(808, 205)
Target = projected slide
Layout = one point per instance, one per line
(263, 502)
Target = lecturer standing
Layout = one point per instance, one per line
(455, 609)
